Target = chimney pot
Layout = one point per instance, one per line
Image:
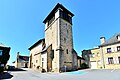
(102, 40)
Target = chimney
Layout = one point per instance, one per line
(18, 53)
(18, 56)
(102, 40)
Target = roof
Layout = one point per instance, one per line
(74, 51)
(2, 45)
(38, 42)
(55, 9)
(46, 47)
(78, 57)
(23, 58)
(112, 40)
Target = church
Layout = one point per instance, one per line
(55, 52)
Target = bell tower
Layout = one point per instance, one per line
(58, 33)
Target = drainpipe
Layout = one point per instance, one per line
(103, 58)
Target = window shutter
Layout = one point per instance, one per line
(114, 60)
(107, 61)
(117, 60)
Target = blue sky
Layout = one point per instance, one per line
(21, 22)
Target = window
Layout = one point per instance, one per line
(98, 54)
(42, 64)
(109, 50)
(86, 56)
(119, 59)
(118, 48)
(36, 61)
(42, 59)
(65, 40)
(51, 20)
(1, 52)
(118, 37)
(67, 51)
(110, 60)
(52, 54)
(93, 54)
(66, 16)
(67, 31)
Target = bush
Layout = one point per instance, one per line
(43, 70)
(84, 66)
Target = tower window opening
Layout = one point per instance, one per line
(66, 16)
(67, 51)
(51, 20)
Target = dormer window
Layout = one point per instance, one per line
(118, 37)
(118, 48)
(109, 50)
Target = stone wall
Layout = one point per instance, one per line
(35, 57)
(66, 43)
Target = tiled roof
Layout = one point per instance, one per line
(38, 42)
(112, 40)
(55, 9)
(23, 58)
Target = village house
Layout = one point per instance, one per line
(55, 52)
(4, 56)
(21, 61)
(106, 56)
(92, 58)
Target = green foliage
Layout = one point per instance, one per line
(84, 66)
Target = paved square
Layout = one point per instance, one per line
(100, 74)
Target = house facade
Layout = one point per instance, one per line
(4, 56)
(21, 61)
(110, 51)
(106, 56)
(55, 52)
(80, 61)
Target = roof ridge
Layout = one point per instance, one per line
(111, 40)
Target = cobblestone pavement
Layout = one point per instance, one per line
(103, 74)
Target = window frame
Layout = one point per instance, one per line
(109, 50)
(67, 51)
(1, 52)
(119, 59)
(42, 59)
(118, 48)
(110, 60)
(66, 16)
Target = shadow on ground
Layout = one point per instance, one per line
(16, 69)
(5, 75)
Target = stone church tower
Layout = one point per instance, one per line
(58, 33)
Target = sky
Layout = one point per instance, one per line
(21, 22)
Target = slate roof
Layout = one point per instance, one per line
(55, 9)
(2, 45)
(23, 58)
(112, 40)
